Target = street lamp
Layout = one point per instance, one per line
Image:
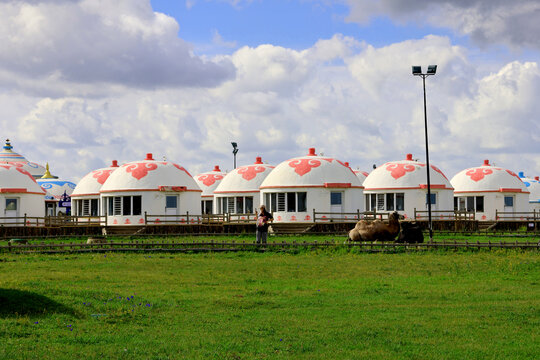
(417, 71)
(235, 151)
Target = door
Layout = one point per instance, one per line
(336, 203)
(11, 210)
(171, 207)
(509, 205)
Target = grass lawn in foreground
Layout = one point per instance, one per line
(311, 305)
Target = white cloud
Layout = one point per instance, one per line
(78, 47)
(514, 23)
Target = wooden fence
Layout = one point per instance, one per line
(211, 245)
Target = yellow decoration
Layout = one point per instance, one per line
(47, 174)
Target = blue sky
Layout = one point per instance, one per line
(292, 24)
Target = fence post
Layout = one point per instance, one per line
(187, 216)
(24, 219)
(358, 214)
(145, 218)
(414, 214)
(314, 218)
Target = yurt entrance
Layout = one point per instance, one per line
(171, 205)
(509, 204)
(336, 201)
(12, 207)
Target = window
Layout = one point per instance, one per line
(390, 202)
(239, 205)
(117, 205)
(470, 203)
(380, 201)
(223, 202)
(480, 203)
(273, 197)
(373, 199)
(281, 202)
(249, 204)
(302, 203)
(400, 201)
(291, 202)
(171, 202)
(94, 206)
(509, 201)
(336, 198)
(433, 199)
(126, 205)
(230, 204)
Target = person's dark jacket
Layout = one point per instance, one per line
(268, 216)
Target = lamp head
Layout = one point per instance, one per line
(234, 145)
(431, 69)
(416, 70)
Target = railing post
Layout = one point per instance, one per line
(358, 214)
(24, 219)
(314, 218)
(414, 214)
(145, 218)
(187, 216)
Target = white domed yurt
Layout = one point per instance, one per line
(157, 188)
(533, 186)
(298, 187)
(8, 156)
(208, 182)
(489, 189)
(85, 198)
(20, 195)
(58, 193)
(362, 175)
(238, 192)
(402, 186)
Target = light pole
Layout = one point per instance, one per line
(235, 151)
(417, 71)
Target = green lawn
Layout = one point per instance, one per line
(311, 305)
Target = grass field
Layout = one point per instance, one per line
(311, 305)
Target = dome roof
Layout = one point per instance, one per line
(150, 175)
(209, 181)
(311, 171)
(246, 178)
(362, 175)
(14, 179)
(487, 178)
(405, 174)
(8, 156)
(533, 186)
(91, 183)
(55, 187)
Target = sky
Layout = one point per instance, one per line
(83, 82)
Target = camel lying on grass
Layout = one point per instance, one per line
(373, 230)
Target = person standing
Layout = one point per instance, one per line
(263, 218)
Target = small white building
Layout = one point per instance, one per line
(402, 186)
(8, 156)
(487, 189)
(533, 185)
(85, 198)
(152, 187)
(208, 182)
(20, 195)
(299, 186)
(238, 192)
(58, 193)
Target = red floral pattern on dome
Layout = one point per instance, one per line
(140, 170)
(24, 172)
(209, 179)
(250, 172)
(439, 171)
(102, 175)
(478, 173)
(181, 168)
(304, 166)
(399, 170)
